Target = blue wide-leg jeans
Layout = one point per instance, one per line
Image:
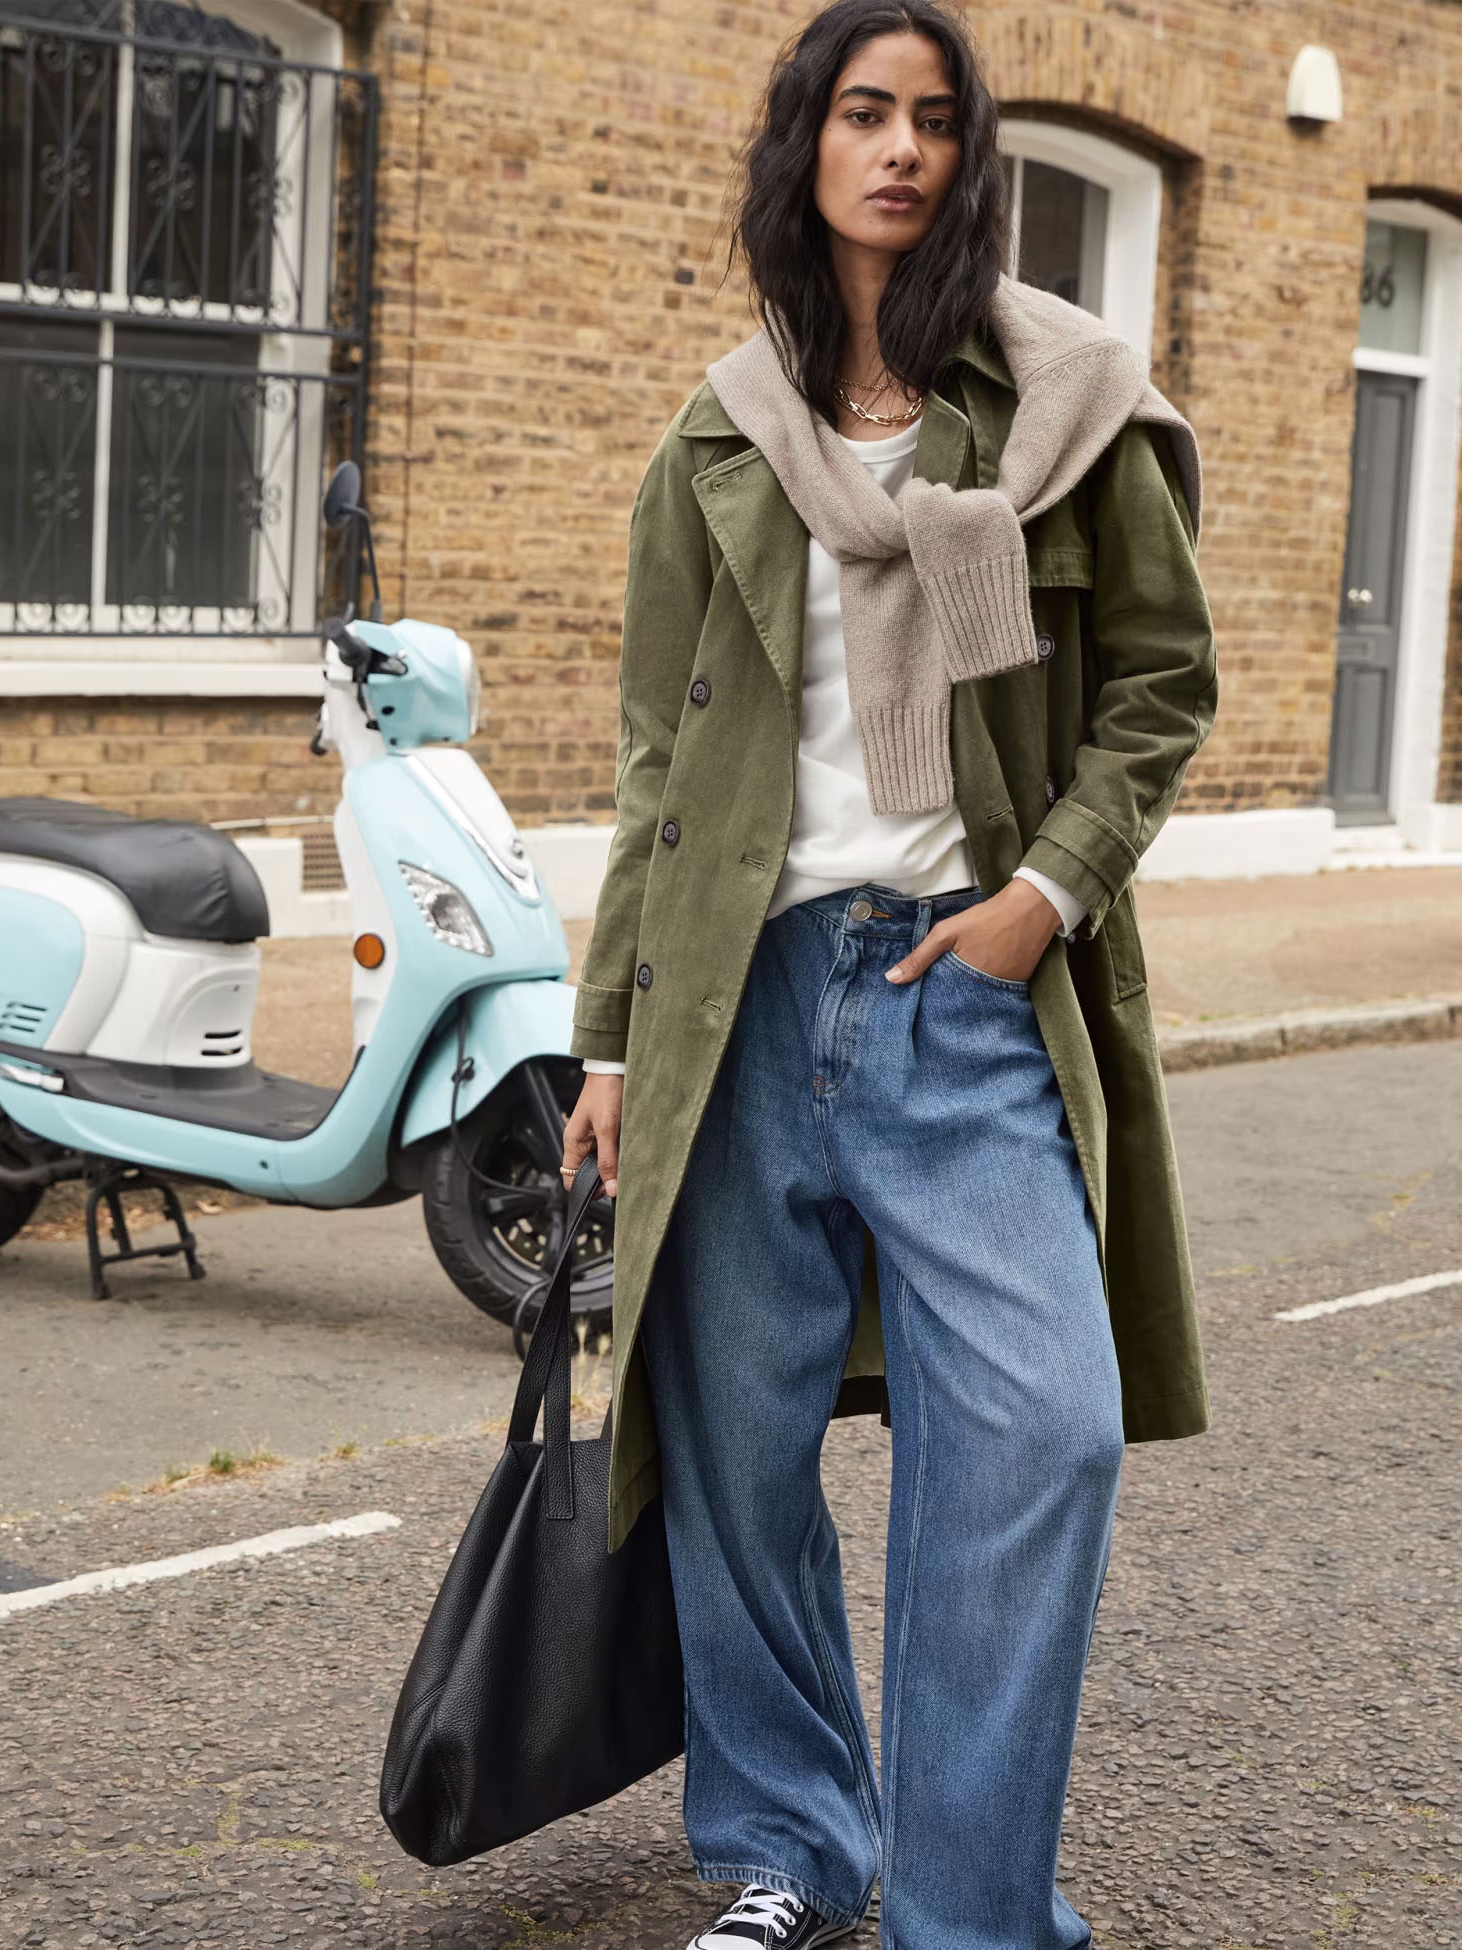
(930, 1110)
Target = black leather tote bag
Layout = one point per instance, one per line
(548, 1675)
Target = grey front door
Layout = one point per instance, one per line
(1370, 599)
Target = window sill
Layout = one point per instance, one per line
(131, 675)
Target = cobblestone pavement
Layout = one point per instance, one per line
(1270, 1755)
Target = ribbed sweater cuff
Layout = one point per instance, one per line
(983, 612)
(906, 756)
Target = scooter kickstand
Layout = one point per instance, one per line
(107, 1184)
(173, 1206)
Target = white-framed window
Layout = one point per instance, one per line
(184, 234)
(1087, 213)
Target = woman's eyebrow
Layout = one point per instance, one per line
(883, 95)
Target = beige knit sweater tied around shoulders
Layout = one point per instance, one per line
(934, 582)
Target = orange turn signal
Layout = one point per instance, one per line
(369, 950)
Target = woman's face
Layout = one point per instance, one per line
(890, 127)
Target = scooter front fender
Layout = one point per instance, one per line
(506, 1022)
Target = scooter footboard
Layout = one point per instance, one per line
(504, 1024)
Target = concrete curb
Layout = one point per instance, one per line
(1247, 1039)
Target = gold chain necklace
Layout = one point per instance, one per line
(840, 393)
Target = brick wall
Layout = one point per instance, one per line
(548, 250)
(546, 273)
(170, 758)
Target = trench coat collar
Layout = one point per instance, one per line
(761, 534)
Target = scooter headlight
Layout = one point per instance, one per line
(446, 910)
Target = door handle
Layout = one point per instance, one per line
(1358, 598)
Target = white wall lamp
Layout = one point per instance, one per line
(1314, 87)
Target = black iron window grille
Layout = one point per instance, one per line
(185, 222)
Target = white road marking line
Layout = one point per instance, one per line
(1372, 1297)
(269, 1545)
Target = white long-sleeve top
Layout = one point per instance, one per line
(837, 839)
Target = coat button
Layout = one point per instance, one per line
(1045, 647)
(700, 691)
(670, 831)
(643, 975)
(1050, 790)
(860, 910)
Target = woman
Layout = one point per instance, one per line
(915, 655)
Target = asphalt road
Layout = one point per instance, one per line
(1270, 1755)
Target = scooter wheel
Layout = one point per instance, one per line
(17, 1150)
(495, 1203)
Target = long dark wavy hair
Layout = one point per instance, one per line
(939, 290)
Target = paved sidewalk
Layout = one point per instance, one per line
(1225, 948)
(1252, 968)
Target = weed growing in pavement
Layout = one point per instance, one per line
(221, 1463)
(345, 1450)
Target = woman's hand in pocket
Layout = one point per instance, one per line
(593, 1125)
(1005, 935)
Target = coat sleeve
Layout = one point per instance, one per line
(1157, 675)
(667, 589)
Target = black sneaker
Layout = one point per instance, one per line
(768, 1919)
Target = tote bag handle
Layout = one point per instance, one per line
(545, 1380)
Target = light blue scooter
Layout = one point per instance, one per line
(129, 967)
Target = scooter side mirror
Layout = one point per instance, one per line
(342, 495)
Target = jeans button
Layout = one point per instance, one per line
(860, 910)
(643, 975)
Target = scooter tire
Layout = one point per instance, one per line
(17, 1202)
(482, 1265)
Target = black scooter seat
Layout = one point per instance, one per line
(184, 880)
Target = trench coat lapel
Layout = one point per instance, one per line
(765, 546)
(944, 441)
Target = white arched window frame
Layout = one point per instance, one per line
(1134, 213)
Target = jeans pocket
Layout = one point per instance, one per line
(998, 982)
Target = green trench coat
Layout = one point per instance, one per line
(1069, 765)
